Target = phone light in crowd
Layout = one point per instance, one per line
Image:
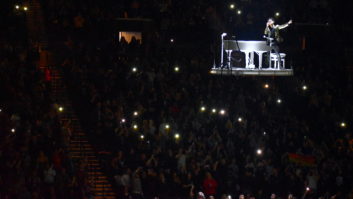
(135, 126)
(167, 127)
(266, 86)
(232, 6)
(142, 137)
(176, 69)
(279, 101)
(0, 110)
(17, 7)
(13, 130)
(307, 189)
(222, 112)
(136, 113)
(240, 119)
(343, 125)
(25, 8)
(239, 12)
(277, 14)
(171, 40)
(259, 152)
(214, 110)
(203, 109)
(264, 133)
(134, 69)
(123, 120)
(61, 109)
(177, 136)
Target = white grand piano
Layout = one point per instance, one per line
(249, 48)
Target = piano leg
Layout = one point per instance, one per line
(269, 60)
(247, 54)
(229, 53)
(252, 65)
(260, 58)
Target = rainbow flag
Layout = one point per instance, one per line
(304, 160)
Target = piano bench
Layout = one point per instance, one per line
(274, 59)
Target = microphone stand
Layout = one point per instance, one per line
(222, 48)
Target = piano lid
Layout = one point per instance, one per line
(246, 45)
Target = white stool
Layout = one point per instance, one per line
(274, 59)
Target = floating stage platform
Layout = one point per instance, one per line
(252, 72)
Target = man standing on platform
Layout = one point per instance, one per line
(273, 37)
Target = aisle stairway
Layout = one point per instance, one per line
(35, 23)
(79, 149)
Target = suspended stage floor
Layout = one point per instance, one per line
(252, 72)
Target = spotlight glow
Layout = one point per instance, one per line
(176, 69)
(277, 14)
(239, 12)
(305, 88)
(266, 86)
(232, 6)
(13, 130)
(279, 101)
(136, 113)
(25, 8)
(222, 112)
(123, 120)
(134, 69)
(240, 119)
(142, 137)
(17, 7)
(203, 109)
(214, 110)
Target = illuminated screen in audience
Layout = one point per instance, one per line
(130, 35)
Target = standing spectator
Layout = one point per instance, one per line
(49, 175)
(181, 160)
(312, 181)
(136, 186)
(210, 185)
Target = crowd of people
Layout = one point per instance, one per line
(166, 141)
(155, 113)
(33, 143)
(170, 128)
